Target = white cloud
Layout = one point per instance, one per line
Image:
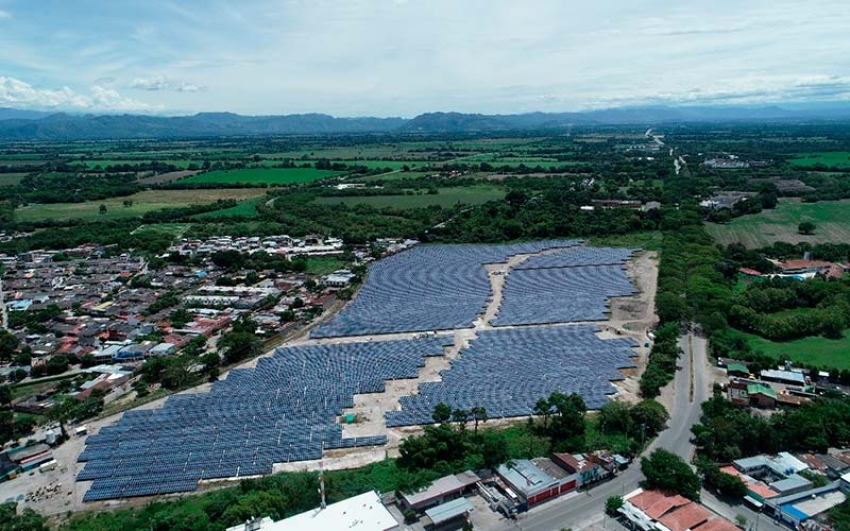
(161, 83)
(19, 94)
(4, 14)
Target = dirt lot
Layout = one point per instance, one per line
(168, 177)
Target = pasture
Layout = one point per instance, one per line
(832, 219)
(816, 350)
(832, 159)
(447, 197)
(266, 176)
(143, 202)
(11, 179)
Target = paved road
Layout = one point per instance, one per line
(690, 388)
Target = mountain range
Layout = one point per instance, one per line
(22, 125)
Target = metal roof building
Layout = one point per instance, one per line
(360, 513)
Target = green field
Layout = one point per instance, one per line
(818, 350)
(143, 202)
(833, 159)
(175, 230)
(832, 219)
(245, 209)
(11, 179)
(262, 176)
(495, 159)
(446, 198)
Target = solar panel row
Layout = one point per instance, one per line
(507, 371)
(429, 287)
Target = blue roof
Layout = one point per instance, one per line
(793, 512)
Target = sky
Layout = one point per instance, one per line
(406, 57)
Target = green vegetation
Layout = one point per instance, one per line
(827, 159)
(817, 351)
(667, 471)
(781, 224)
(444, 197)
(130, 206)
(650, 240)
(272, 177)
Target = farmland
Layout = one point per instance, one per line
(832, 159)
(262, 176)
(11, 179)
(832, 219)
(143, 202)
(818, 351)
(446, 197)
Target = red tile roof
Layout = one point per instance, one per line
(748, 271)
(655, 503)
(718, 524)
(686, 517)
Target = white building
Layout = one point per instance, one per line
(360, 513)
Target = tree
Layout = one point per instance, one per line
(238, 346)
(543, 409)
(649, 416)
(613, 504)
(442, 413)
(665, 470)
(615, 417)
(479, 414)
(102, 209)
(806, 228)
(8, 344)
(5, 395)
(28, 520)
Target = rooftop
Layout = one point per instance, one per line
(685, 517)
(525, 475)
(442, 486)
(360, 513)
(449, 511)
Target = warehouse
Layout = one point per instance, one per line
(440, 491)
(531, 484)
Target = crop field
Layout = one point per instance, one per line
(175, 230)
(263, 176)
(833, 159)
(446, 198)
(11, 179)
(245, 209)
(143, 202)
(831, 218)
(816, 350)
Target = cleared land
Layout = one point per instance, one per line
(446, 198)
(833, 159)
(832, 219)
(818, 350)
(168, 177)
(262, 176)
(142, 202)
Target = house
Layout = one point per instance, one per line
(339, 278)
(531, 485)
(162, 349)
(448, 516)
(589, 468)
(440, 491)
(659, 511)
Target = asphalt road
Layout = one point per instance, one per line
(690, 388)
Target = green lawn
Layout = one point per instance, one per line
(262, 176)
(324, 265)
(833, 159)
(245, 209)
(832, 220)
(173, 229)
(446, 197)
(818, 351)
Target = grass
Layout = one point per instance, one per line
(245, 209)
(817, 350)
(833, 159)
(143, 202)
(324, 265)
(262, 176)
(175, 230)
(446, 197)
(649, 240)
(832, 220)
(11, 179)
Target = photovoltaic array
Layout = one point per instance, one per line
(284, 410)
(429, 287)
(507, 371)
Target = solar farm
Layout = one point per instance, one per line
(544, 337)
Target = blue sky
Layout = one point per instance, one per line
(404, 57)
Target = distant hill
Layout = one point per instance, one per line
(33, 125)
